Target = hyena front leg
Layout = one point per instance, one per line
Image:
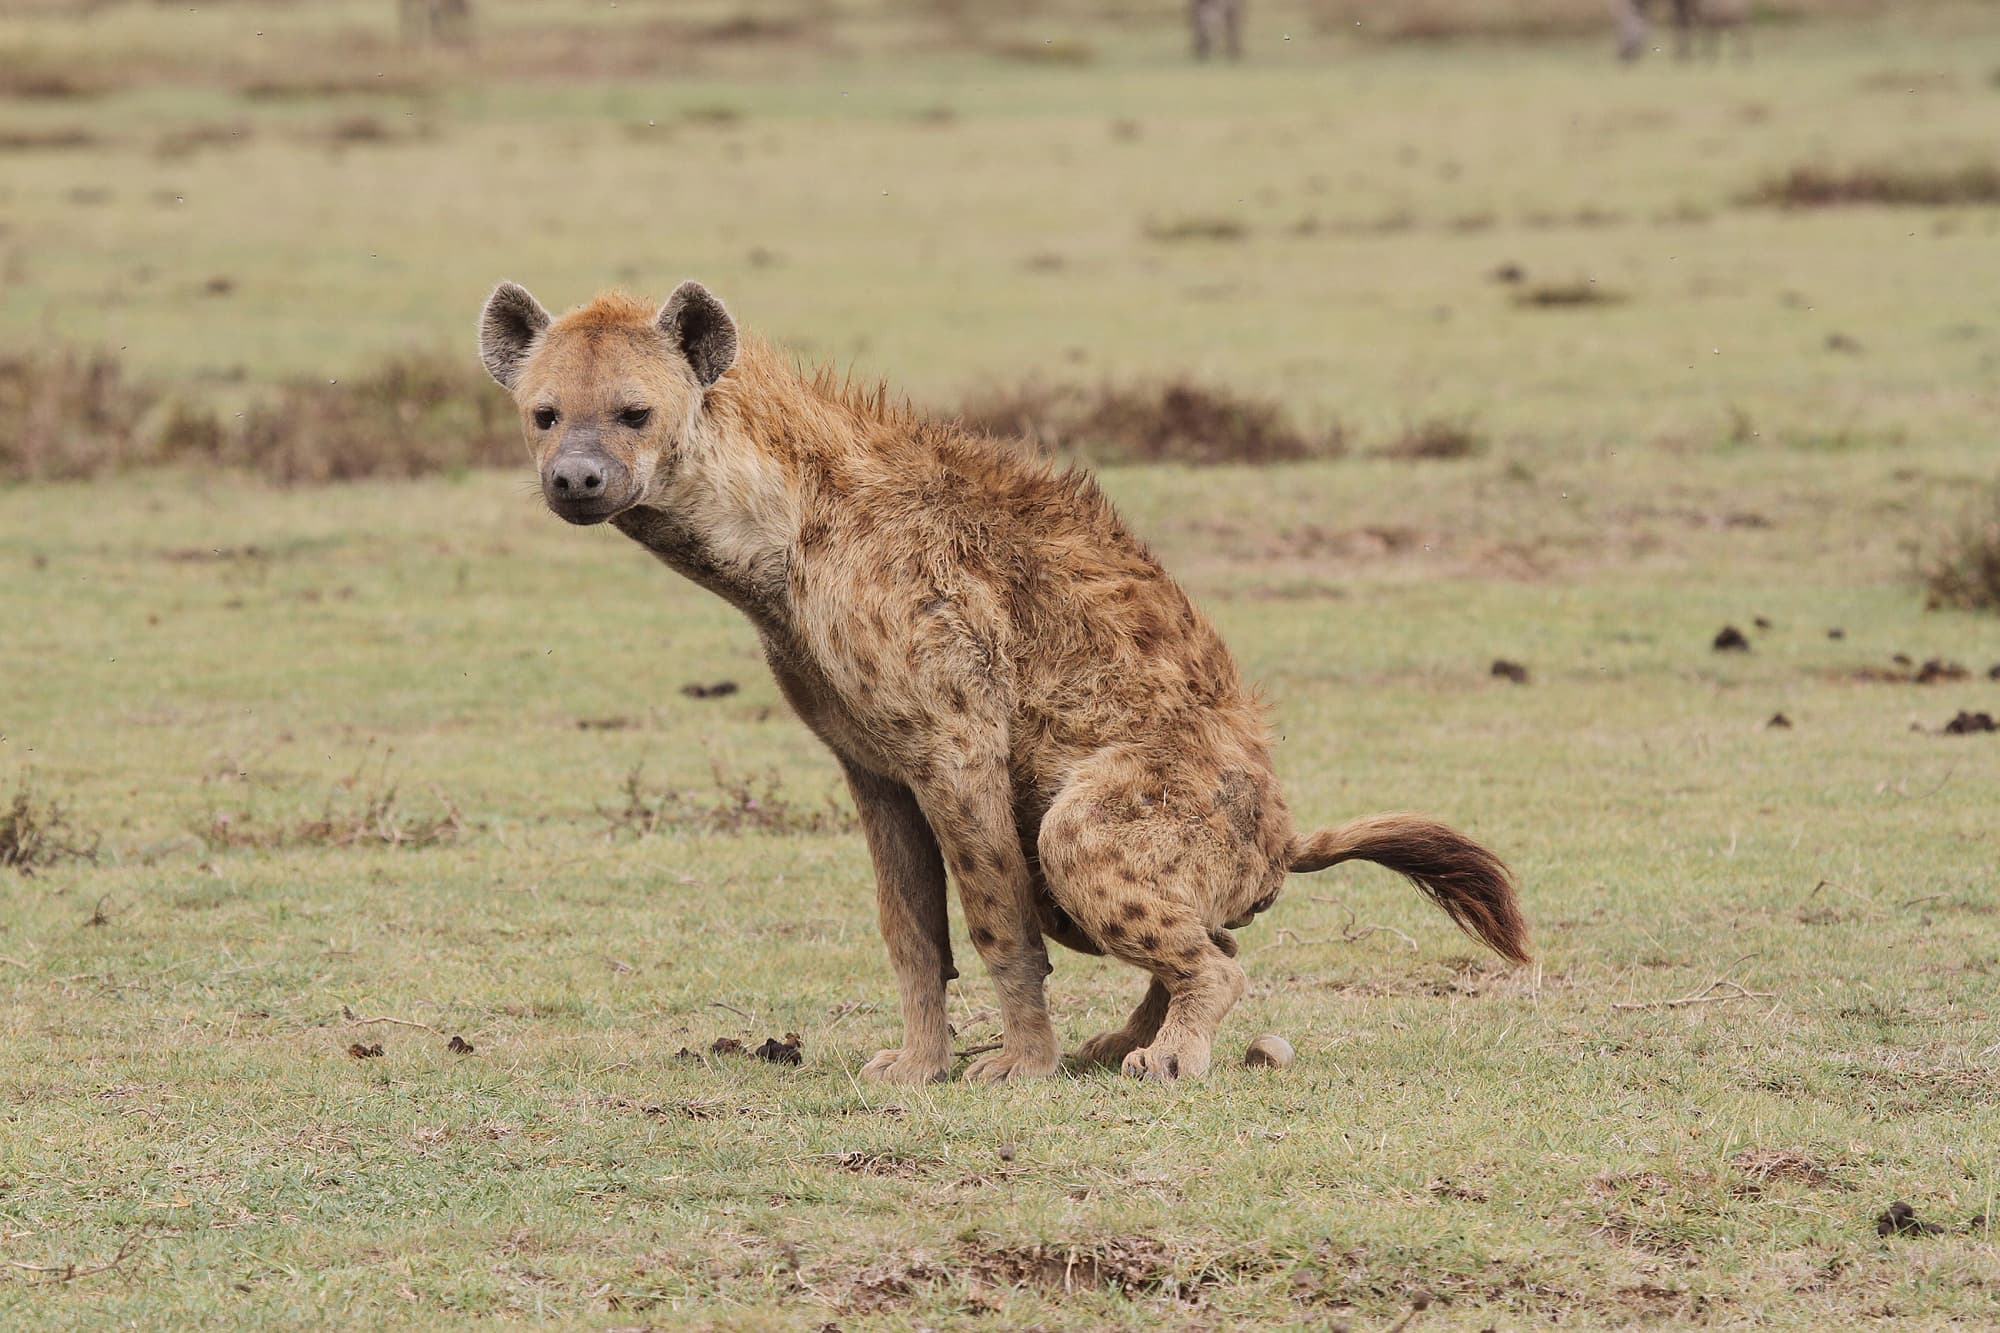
(910, 901)
(969, 802)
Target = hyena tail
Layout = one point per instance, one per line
(1471, 884)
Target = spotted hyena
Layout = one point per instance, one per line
(1020, 697)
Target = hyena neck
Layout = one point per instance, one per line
(750, 464)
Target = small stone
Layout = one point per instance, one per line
(1269, 1051)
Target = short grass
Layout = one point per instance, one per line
(225, 682)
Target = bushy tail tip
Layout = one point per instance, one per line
(1471, 884)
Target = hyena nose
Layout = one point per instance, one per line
(586, 486)
(577, 478)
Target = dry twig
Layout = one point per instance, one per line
(1707, 994)
(351, 1017)
(70, 1272)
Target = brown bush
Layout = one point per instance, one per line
(68, 413)
(409, 418)
(1170, 421)
(1962, 569)
(1911, 186)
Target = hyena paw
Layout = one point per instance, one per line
(1164, 1062)
(905, 1067)
(1107, 1048)
(1015, 1062)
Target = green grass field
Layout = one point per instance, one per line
(361, 753)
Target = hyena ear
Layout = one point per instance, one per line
(698, 324)
(508, 328)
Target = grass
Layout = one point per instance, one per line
(1763, 1010)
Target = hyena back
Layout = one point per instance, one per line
(1018, 694)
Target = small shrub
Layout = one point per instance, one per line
(736, 804)
(35, 835)
(1173, 421)
(1916, 186)
(1962, 569)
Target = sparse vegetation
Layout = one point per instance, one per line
(1176, 421)
(735, 804)
(1961, 568)
(364, 809)
(37, 834)
(1903, 184)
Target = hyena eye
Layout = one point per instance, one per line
(545, 417)
(636, 417)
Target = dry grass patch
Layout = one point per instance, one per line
(1813, 186)
(36, 834)
(1194, 229)
(68, 413)
(1567, 295)
(1961, 570)
(1175, 421)
(1435, 439)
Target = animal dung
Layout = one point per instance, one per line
(1507, 670)
(1269, 1051)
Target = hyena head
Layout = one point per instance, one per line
(610, 392)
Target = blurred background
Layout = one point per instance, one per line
(1424, 224)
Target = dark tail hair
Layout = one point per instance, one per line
(1471, 884)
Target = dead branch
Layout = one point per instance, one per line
(751, 1019)
(976, 1050)
(1707, 994)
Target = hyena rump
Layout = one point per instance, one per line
(1019, 695)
